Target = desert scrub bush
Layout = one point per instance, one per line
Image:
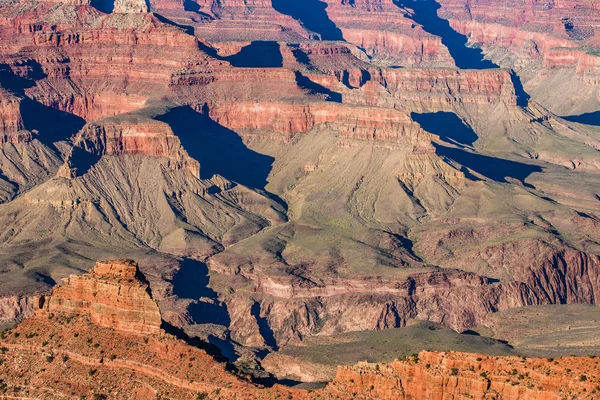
(454, 371)
(201, 395)
(49, 359)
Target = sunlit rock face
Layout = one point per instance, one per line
(290, 169)
(113, 295)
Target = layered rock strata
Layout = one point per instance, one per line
(111, 295)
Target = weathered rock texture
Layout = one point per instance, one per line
(112, 295)
(455, 375)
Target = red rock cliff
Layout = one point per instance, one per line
(112, 294)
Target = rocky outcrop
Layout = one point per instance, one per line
(352, 122)
(381, 29)
(433, 375)
(16, 308)
(134, 135)
(12, 129)
(113, 295)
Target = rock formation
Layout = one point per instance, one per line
(437, 375)
(112, 296)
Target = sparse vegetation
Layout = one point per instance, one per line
(454, 371)
(201, 395)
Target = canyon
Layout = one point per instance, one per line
(285, 172)
(101, 335)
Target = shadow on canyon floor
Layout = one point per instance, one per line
(263, 327)
(218, 150)
(51, 124)
(312, 15)
(452, 130)
(191, 282)
(105, 6)
(258, 54)
(496, 169)
(425, 14)
(522, 96)
(314, 88)
(447, 126)
(591, 118)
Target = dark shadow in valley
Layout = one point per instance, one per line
(312, 15)
(496, 169)
(263, 327)
(82, 161)
(32, 72)
(447, 126)
(191, 282)
(522, 96)
(211, 51)
(314, 88)
(591, 118)
(225, 346)
(300, 55)
(406, 244)
(218, 150)
(258, 54)
(51, 124)
(105, 6)
(186, 28)
(210, 348)
(425, 14)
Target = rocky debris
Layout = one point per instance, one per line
(130, 6)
